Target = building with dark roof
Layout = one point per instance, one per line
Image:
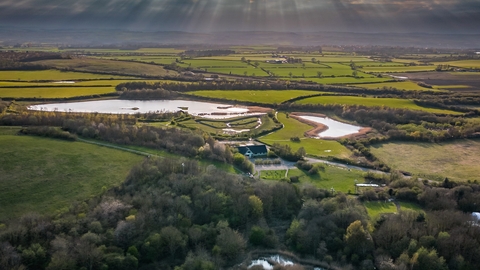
(253, 150)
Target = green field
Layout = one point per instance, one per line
(54, 92)
(238, 57)
(330, 69)
(96, 83)
(404, 85)
(157, 51)
(273, 174)
(379, 64)
(315, 147)
(164, 60)
(260, 96)
(216, 126)
(457, 160)
(410, 206)
(213, 63)
(51, 75)
(374, 209)
(475, 64)
(339, 178)
(344, 80)
(372, 102)
(250, 71)
(338, 58)
(392, 69)
(109, 66)
(46, 175)
(165, 154)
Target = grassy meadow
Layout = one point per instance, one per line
(315, 147)
(340, 179)
(260, 96)
(109, 66)
(273, 174)
(344, 80)
(402, 85)
(54, 92)
(394, 69)
(45, 175)
(458, 160)
(93, 83)
(216, 126)
(375, 209)
(51, 75)
(474, 64)
(373, 102)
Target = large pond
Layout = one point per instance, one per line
(335, 129)
(212, 110)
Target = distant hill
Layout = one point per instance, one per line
(12, 36)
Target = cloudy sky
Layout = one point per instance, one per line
(433, 16)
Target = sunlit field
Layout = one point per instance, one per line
(315, 147)
(54, 92)
(259, 96)
(456, 160)
(372, 102)
(47, 175)
(52, 75)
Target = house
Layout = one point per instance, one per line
(253, 150)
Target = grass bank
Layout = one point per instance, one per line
(45, 175)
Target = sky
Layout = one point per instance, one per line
(365, 16)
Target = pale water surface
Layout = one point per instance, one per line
(335, 129)
(142, 106)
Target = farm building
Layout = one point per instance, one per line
(253, 150)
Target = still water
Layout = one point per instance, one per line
(142, 106)
(335, 129)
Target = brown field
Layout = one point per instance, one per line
(457, 160)
(471, 80)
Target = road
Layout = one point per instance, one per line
(285, 165)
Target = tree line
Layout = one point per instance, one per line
(121, 129)
(174, 213)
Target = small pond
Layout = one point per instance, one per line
(213, 110)
(335, 129)
(266, 262)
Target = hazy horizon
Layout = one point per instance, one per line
(211, 16)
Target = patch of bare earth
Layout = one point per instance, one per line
(472, 80)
